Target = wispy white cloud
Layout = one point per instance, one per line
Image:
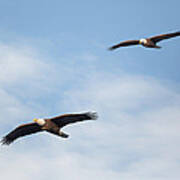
(25, 79)
(135, 137)
(139, 120)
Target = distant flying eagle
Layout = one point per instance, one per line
(148, 42)
(51, 125)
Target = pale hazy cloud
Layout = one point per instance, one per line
(135, 137)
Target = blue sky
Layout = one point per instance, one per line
(54, 60)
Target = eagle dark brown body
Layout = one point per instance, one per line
(148, 42)
(51, 125)
(53, 128)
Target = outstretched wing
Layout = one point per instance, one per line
(73, 118)
(125, 43)
(158, 38)
(20, 131)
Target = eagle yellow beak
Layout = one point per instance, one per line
(35, 119)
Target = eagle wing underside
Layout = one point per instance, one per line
(125, 43)
(20, 131)
(73, 118)
(158, 38)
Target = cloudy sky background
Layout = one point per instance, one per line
(54, 60)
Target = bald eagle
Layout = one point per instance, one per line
(51, 125)
(148, 42)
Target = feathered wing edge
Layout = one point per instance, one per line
(164, 36)
(93, 115)
(22, 130)
(73, 118)
(124, 43)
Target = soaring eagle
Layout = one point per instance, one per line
(51, 125)
(148, 42)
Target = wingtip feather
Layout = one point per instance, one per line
(111, 48)
(5, 141)
(93, 115)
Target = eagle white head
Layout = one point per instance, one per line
(142, 41)
(40, 121)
